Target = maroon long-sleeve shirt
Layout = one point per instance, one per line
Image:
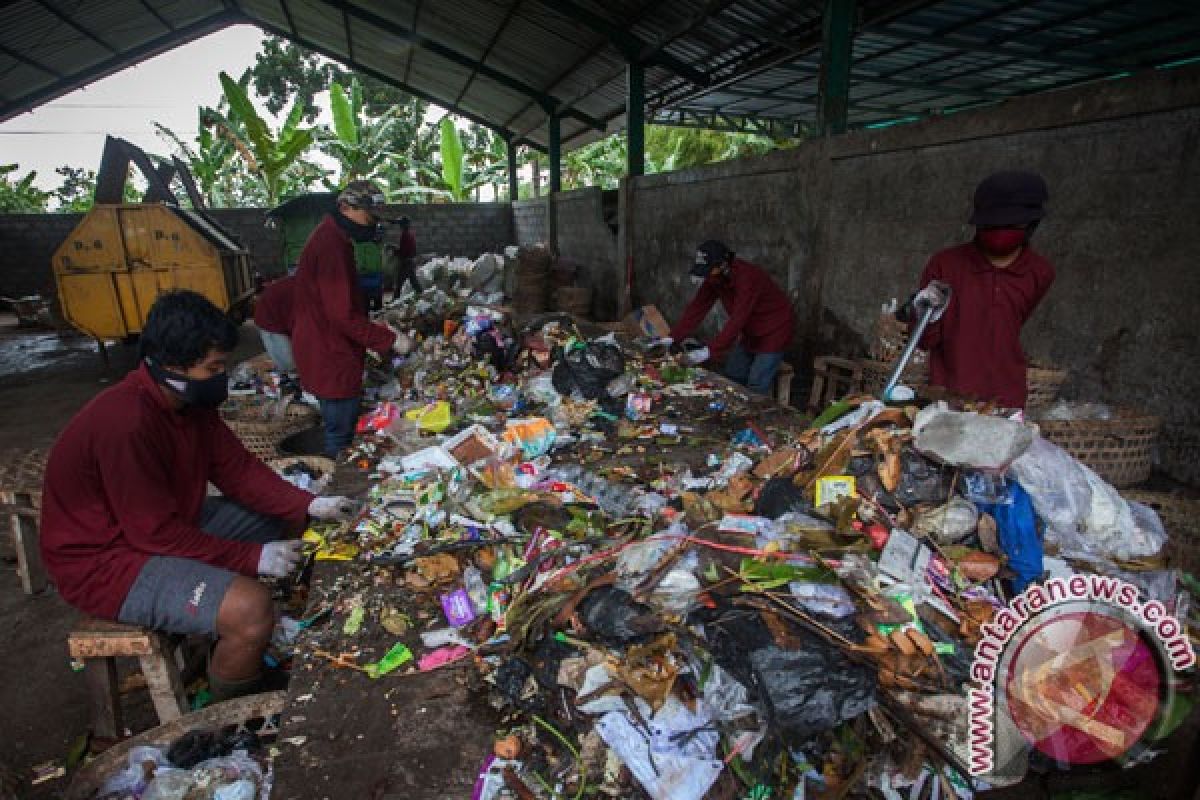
(125, 481)
(760, 314)
(975, 348)
(330, 329)
(273, 309)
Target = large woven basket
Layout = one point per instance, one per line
(875, 375)
(1120, 450)
(1043, 385)
(1180, 517)
(259, 430)
(889, 340)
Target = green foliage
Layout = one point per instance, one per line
(267, 154)
(452, 159)
(20, 195)
(360, 143)
(78, 189)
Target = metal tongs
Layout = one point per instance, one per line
(914, 336)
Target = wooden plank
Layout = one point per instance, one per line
(101, 638)
(103, 697)
(163, 680)
(29, 559)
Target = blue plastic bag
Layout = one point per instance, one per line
(1020, 535)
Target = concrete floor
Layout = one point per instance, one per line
(45, 377)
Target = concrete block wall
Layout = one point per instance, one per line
(585, 238)
(27, 241)
(530, 221)
(458, 229)
(848, 222)
(248, 225)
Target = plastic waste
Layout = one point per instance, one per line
(241, 789)
(948, 523)
(393, 659)
(781, 496)
(1057, 486)
(476, 587)
(1065, 410)
(664, 776)
(812, 689)
(1017, 529)
(588, 369)
(613, 615)
(169, 784)
(132, 779)
(965, 439)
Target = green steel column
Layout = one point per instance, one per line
(635, 119)
(837, 44)
(554, 151)
(514, 180)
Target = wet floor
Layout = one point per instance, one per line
(25, 350)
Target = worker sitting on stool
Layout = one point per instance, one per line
(128, 532)
(331, 332)
(983, 291)
(760, 323)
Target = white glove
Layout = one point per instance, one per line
(936, 296)
(697, 356)
(279, 559)
(336, 509)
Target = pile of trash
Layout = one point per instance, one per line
(671, 590)
(201, 764)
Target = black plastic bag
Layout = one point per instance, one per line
(812, 689)
(781, 496)
(614, 616)
(588, 369)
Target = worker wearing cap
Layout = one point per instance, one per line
(982, 293)
(404, 253)
(331, 331)
(128, 529)
(761, 319)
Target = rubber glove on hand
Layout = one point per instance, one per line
(697, 356)
(403, 344)
(336, 509)
(279, 559)
(936, 296)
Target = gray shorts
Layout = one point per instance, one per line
(182, 595)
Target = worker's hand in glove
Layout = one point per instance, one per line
(697, 355)
(279, 559)
(936, 296)
(403, 345)
(331, 508)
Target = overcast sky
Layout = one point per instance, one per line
(166, 89)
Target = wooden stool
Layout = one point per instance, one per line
(98, 643)
(783, 384)
(833, 379)
(21, 501)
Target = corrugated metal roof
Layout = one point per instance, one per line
(732, 63)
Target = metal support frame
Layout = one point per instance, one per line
(837, 43)
(630, 46)
(393, 28)
(487, 51)
(514, 178)
(554, 152)
(161, 19)
(70, 23)
(776, 128)
(29, 62)
(635, 119)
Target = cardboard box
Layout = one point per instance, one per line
(647, 321)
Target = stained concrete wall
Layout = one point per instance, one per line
(847, 223)
(586, 239)
(27, 241)
(530, 224)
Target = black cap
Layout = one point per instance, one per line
(1009, 198)
(708, 255)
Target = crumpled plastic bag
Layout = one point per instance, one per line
(811, 690)
(965, 439)
(588, 369)
(949, 523)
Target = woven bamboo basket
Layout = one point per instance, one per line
(1119, 450)
(258, 713)
(1180, 517)
(575, 300)
(890, 339)
(875, 375)
(259, 432)
(1043, 385)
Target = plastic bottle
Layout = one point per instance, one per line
(477, 590)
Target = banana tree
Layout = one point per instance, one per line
(267, 154)
(210, 159)
(361, 144)
(459, 175)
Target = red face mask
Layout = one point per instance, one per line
(1000, 241)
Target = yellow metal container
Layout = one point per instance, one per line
(119, 258)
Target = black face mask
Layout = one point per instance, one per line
(357, 232)
(199, 392)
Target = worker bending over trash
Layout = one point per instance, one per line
(982, 292)
(128, 531)
(331, 332)
(273, 318)
(760, 323)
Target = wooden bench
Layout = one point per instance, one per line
(21, 502)
(833, 379)
(783, 384)
(98, 643)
